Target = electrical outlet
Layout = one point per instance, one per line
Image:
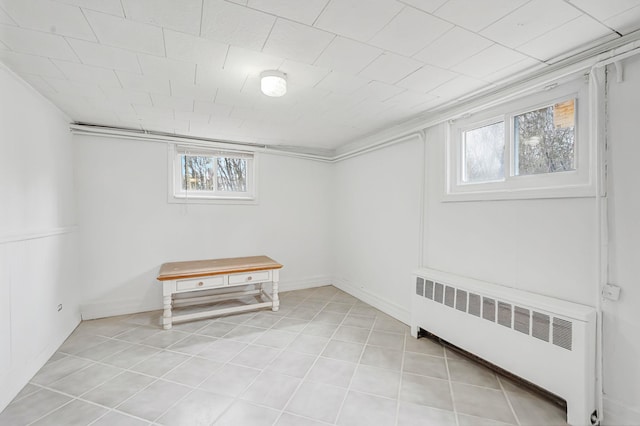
(611, 292)
(59, 307)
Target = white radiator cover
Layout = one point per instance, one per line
(509, 328)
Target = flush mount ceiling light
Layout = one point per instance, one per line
(273, 83)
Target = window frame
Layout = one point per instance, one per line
(179, 195)
(573, 183)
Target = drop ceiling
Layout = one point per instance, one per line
(354, 67)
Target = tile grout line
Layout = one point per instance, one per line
(404, 353)
(302, 380)
(281, 350)
(506, 396)
(453, 399)
(364, 347)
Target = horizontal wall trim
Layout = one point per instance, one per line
(396, 311)
(113, 308)
(36, 234)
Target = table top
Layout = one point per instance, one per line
(205, 268)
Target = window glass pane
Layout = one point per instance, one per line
(232, 174)
(545, 139)
(483, 152)
(197, 173)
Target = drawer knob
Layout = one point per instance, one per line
(249, 278)
(200, 284)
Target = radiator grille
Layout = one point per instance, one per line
(474, 304)
(504, 314)
(521, 320)
(428, 289)
(488, 309)
(449, 296)
(420, 286)
(461, 300)
(562, 333)
(439, 293)
(542, 326)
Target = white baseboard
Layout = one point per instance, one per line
(396, 311)
(114, 308)
(616, 413)
(18, 376)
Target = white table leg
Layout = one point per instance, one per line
(166, 300)
(274, 290)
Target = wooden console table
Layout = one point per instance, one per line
(199, 275)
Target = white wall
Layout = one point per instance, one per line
(38, 247)
(128, 229)
(622, 319)
(376, 225)
(542, 246)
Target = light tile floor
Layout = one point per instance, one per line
(324, 358)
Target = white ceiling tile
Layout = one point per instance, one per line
(249, 62)
(88, 74)
(234, 24)
(428, 6)
(377, 91)
(390, 68)
(168, 68)
(302, 75)
(625, 22)
(118, 32)
(510, 72)
(530, 21)
(452, 48)
(488, 61)
(603, 10)
(173, 102)
(185, 47)
(39, 83)
(66, 87)
(342, 83)
(153, 113)
(22, 63)
(426, 78)
(213, 109)
(301, 11)
(577, 33)
(202, 93)
(112, 7)
(36, 43)
(191, 116)
(409, 31)
(347, 55)
(52, 17)
(476, 15)
(183, 15)
(213, 77)
(144, 83)
(105, 56)
(128, 97)
(457, 87)
(160, 124)
(290, 40)
(340, 17)
(6, 19)
(243, 99)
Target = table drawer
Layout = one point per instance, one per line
(250, 277)
(199, 283)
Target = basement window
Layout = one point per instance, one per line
(202, 174)
(536, 147)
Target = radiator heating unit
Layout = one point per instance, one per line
(546, 341)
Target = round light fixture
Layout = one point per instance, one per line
(273, 83)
